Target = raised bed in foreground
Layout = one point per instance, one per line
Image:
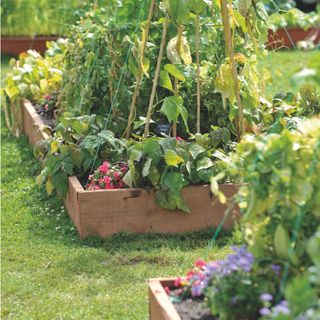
(105, 212)
(160, 306)
(286, 38)
(16, 45)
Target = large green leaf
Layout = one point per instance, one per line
(178, 10)
(195, 150)
(204, 163)
(281, 241)
(60, 181)
(165, 80)
(171, 107)
(174, 71)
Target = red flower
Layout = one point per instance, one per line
(177, 282)
(200, 263)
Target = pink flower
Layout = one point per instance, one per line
(167, 290)
(96, 188)
(104, 167)
(200, 263)
(46, 107)
(116, 175)
(179, 139)
(47, 97)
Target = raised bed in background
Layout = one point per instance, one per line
(160, 306)
(281, 39)
(105, 212)
(16, 45)
(32, 123)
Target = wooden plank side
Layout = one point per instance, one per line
(106, 212)
(160, 306)
(32, 123)
(71, 202)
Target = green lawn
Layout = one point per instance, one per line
(283, 65)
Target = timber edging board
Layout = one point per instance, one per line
(16, 45)
(32, 123)
(105, 212)
(160, 306)
(280, 38)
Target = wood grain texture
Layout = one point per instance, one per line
(105, 212)
(32, 123)
(160, 306)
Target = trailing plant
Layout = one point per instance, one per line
(32, 77)
(77, 146)
(277, 275)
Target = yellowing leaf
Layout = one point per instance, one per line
(49, 187)
(54, 146)
(224, 82)
(172, 159)
(43, 84)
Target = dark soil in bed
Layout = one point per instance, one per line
(47, 117)
(192, 309)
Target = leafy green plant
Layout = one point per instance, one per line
(32, 77)
(279, 196)
(294, 18)
(169, 165)
(32, 17)
(77, 147)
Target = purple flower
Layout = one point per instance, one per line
(276, 269)
(241, 260)
(266, 297)
(264, 311)
(282, 307)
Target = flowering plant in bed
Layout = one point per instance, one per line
(277, 275)
(108, 176)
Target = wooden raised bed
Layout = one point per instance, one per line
(280, 38)
(160, 306)
(105, 212)
(16, 45)
(32, 123)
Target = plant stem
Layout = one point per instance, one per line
(230, 54)
(176, 81)
(156, 77)
(140, 74)
(198, 71)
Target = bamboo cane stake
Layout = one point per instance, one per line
(156, 78)
(198, 71)
(140, 74)
(230, 53)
